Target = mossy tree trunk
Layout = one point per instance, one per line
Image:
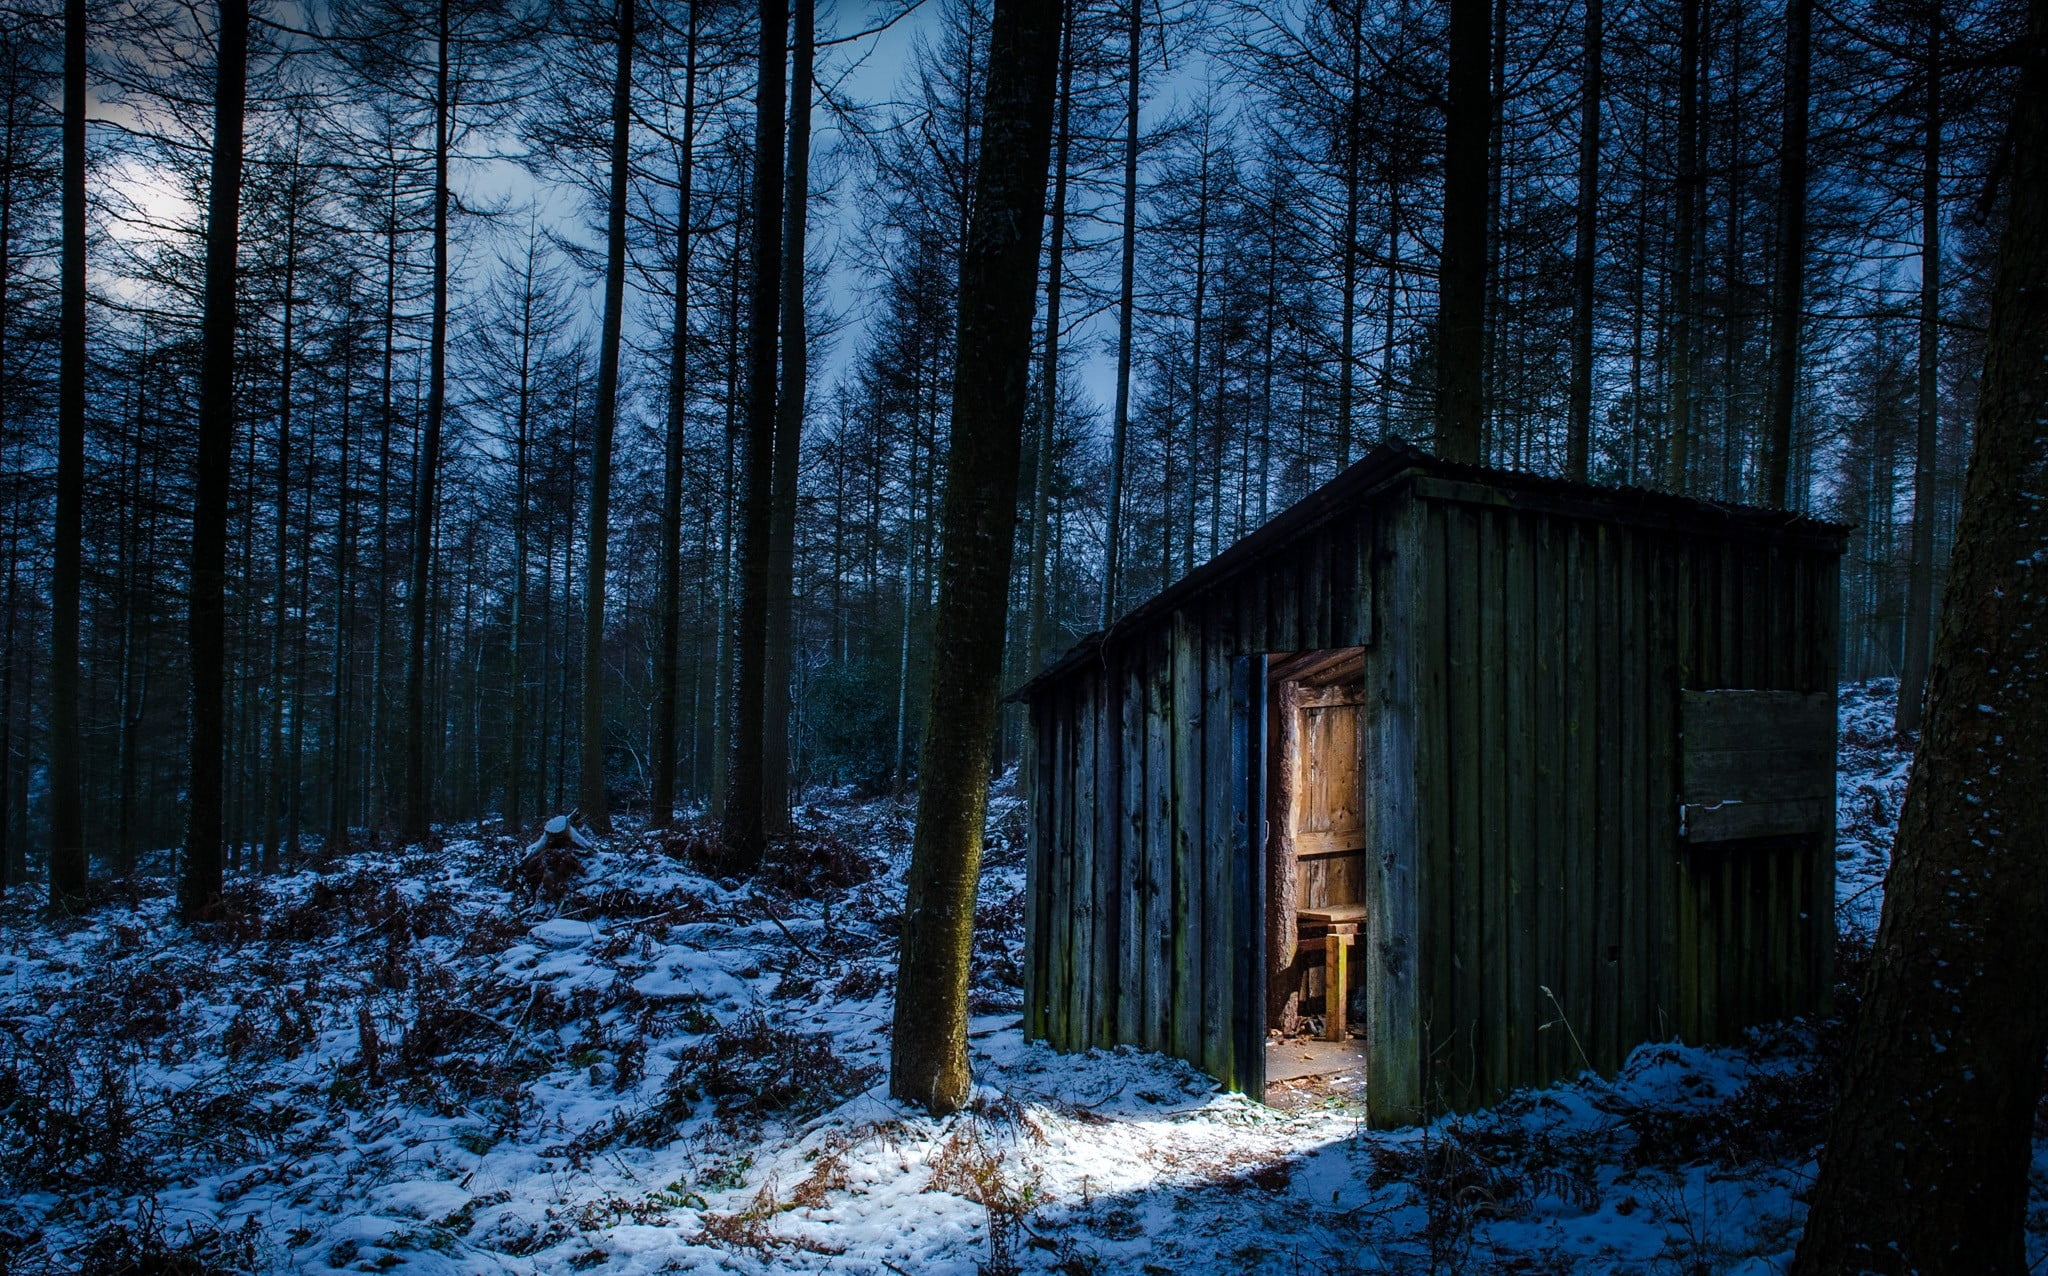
(1926, 1165)
(978, 522)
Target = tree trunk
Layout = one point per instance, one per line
(426, 478)
(1677, 457)
(273, 790)
(1789, 299)
(1926, 1163)
(789, 433)
(339, 718)
(1120, 423)
(199, 891)
(1586, 248)
(991, 393)
(668, 660)
(745, 824)
(1920, 573)
(597, 540)
(517, 727)
(1347, 331)
(67, 815)
(376, 769)
(722, 662)
(1460, 338)
(1046, 436)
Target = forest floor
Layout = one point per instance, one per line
(436, 1060)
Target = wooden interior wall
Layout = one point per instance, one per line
(1567, 923)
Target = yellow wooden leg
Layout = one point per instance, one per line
(1337, 979)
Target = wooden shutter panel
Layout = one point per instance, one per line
(1755, 764)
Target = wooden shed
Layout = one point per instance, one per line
(1535, 771)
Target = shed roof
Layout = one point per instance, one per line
(1394, 463)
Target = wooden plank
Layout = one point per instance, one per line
(1727, 928)
(1685, 956)
(1316, 630)
(1219, 843)
(1247, 874)
(1633, 982)
(1060, 967)
(1395, 831)
(1341, 628)
(1081, 1014)
(1465, 1011)
(1338, 942)
(1744, 718)
(1365, 619)
(1736, 821)
(1188, 905)
(1109, 836)
(1276, 588)
(1035, 885)
(1436, 724)
(1493, 781)
(1757, 775)
(1780, 953)
(1133, 970)
(1604, 1040)
(1159, 901)
(1520, 668)
(1342, 695)
(1549, 758)
(1577, 941)
(1660, 700)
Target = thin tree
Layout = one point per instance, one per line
(200, 889)
(978, 521)
(1685, 235)
(1925, 1167)
(1126, 319)
(1920, 571)
(274, 797)
(1789, 298)
(1586, 246)
(596, 809)
(1045, 435)
(745, 824)
(1460, 336)
(67, 831)
(418, 808)
(340, 722)
(668, 660)
(789, 432)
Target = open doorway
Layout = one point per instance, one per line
(1316, 863)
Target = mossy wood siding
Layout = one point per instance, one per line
(1532, 907)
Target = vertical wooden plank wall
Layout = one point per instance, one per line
(1566, 923)
(1137, 877)
(1396, 866)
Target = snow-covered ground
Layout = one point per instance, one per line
(434, 1060)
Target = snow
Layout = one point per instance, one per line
(653, 1070)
